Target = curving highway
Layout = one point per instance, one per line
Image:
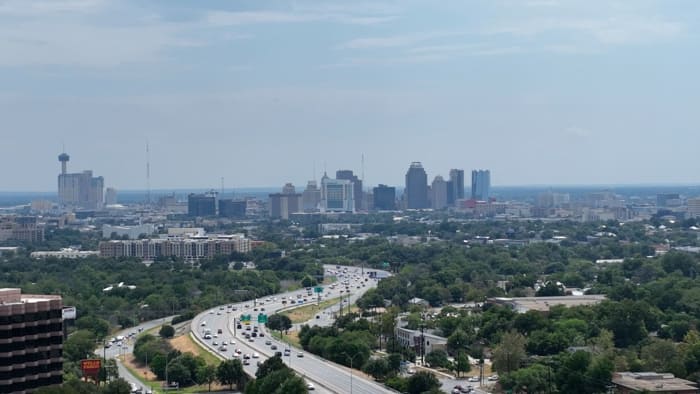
(323, 375)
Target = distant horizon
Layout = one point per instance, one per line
(300, 187)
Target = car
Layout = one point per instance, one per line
(473, 379)
(261, 334)
(223, 348)
(262, 309)
(216, 335)
(274, 347)
(493, 378)
(300, 354)
(279, 354)
(218, 313)
(238, 326)
(232, 342)
(310, 386)
(318, 316)
(246, 356)
(207, 336)
(256, 355)
(246, 362)
(254, 334)
(221, 308)
(251, 339)
(203, 324)
(268, 342)
(247, 328)
(215, 343)
(411, 371)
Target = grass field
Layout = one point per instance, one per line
(291, 338)
(307, 312)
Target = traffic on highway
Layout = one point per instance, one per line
(233, 331)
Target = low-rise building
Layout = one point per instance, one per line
(193, 247)
(65, 253)
(542, 304)
(652, 382)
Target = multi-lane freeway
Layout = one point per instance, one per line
(324, 376)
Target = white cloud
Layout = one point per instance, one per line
(399, 40)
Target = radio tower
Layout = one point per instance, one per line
(148, 176)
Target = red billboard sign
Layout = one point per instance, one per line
(91, 367)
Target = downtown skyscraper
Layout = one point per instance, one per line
(481, 185)
(416, 192)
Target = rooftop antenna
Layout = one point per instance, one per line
(148, 175)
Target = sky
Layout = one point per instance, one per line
(541, 92)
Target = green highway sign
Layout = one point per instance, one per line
(318, 289)
(262, 318)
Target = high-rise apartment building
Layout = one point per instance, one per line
(481, 185)
(201, 205)
(337, 195)
(416, 192)
(79, 190)
(438, 193)
(311, 197)
(455, 186)
(285, 203)
(356, 186)
(384, 198)
(31, 341)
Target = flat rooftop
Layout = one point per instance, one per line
(524, 304)
(653, 382)
(10, 295)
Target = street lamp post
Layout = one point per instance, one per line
(352, 358)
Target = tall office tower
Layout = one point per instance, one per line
(356, 185)
(232, 208)
(31, 341)
(79, 190)
(384, 198)
(288, 188)
(201, 204)
(438, 193)
(285, 203)
(311, 197)
(337, 195)
(455, 186)
(481, 185)
(667, 200)
(416, 187)
(694, 207)
(110, 196)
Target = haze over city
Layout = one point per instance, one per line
(540, 92)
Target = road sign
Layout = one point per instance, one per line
(318, 289)
(262, 318)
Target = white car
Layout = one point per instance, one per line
(310, 386)
(473, 379)
(255, 355)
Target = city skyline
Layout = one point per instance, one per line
(539, 92)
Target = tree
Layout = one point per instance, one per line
(535, 378)
(308, 281)
(206, 374)
(79, 345)
(279, 322)
(119, 386)
(98, 326)
(509, 353)
(394, 361)
(458, 341)
(167, 331)
(437, 358)
(461, 363)
(282, 381)
(270, 365)
(377, 367)
(178, 372)
(422, 382)
(231, 372)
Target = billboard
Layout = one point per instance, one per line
(91, 367)
(69, 313)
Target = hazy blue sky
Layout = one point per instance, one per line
(541, 92)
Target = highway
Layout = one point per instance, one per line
(326, 376)
(127, 346)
